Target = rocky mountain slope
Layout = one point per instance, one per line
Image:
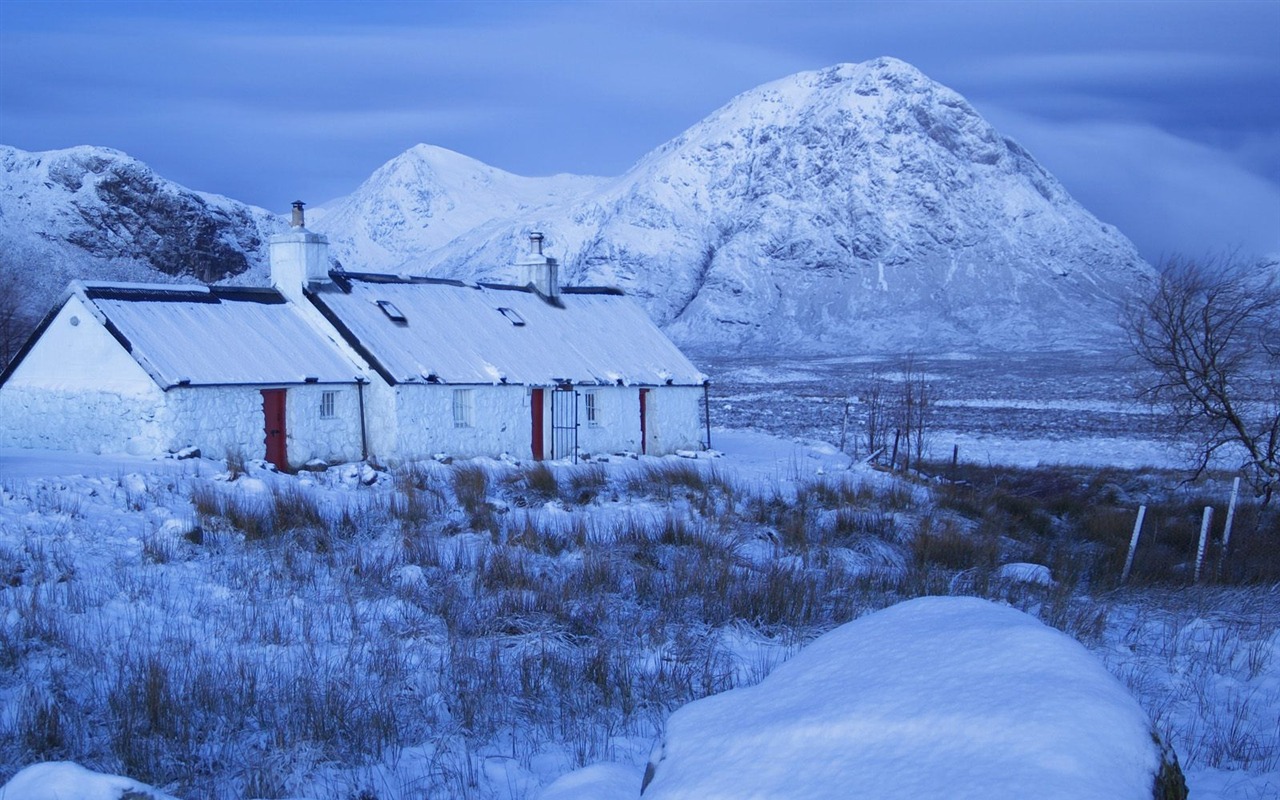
(853, 207)
(95, 213)
(860, 207)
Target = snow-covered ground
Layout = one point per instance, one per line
(306, 664)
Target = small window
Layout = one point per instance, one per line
(593, 410)
(389, 308)
(463, 408)
(513, 315)
(328, 402)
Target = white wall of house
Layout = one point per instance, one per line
(311, 435)
(499, 421)
(617, 424)
(77, 389)
(224, 419)
(673, 416)
(382, 423)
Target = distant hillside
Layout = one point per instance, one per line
(859, 207)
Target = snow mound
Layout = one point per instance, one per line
(936, 697)
(596, 782)
(60, 780)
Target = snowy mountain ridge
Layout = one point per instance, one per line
(859, 207)
(96, 213)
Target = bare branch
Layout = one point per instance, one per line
(1207, 335)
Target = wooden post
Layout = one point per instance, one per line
(1204, 539)
(893, 461)
(1133, 543)
(844, 425)
(1226, 529)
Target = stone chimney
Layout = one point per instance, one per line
(299, 258)
(540, 271)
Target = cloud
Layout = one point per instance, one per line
(1166, 193)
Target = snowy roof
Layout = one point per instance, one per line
(200, 335)
(419, 330)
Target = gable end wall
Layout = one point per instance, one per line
(78, 389)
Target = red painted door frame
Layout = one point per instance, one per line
(273, 423)
(644, 432)
(535, 412)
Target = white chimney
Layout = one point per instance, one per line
(538, 270)
(299, 258)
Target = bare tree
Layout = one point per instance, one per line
(875, 397)
(1209, 335)
(898, 412)
(16, 322)
(914, 412)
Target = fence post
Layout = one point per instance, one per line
(1204, 539)
(1133, 544)
(1226, 530)
(844, 425)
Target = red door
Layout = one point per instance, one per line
(535, 411)
(644, 432)
(273, 417)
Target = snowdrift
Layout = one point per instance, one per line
(936, 697)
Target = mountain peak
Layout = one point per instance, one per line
(856, 207)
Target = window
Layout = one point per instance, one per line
(513, 315)
(389, 308)
(463, 408)
(593, 410)
(328, 401)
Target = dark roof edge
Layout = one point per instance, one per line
(347, 335)
(609, 290)
(193, 294)
(383, 277)
(251, 294)
(30, 343)
(264, 384)
(507, 287)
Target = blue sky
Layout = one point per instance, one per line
(1160, 117)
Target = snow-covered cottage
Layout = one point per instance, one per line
(337, 366)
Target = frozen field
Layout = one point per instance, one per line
(481, 629)
(1021, 409)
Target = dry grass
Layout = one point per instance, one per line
(321, 637)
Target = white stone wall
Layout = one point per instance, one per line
(221, 419)
(78, 389)
(674, 419)
(310, 436)
(83, 421)
(618, 420)
(501, 422)
(380, 405)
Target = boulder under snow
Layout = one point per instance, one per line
(936, 697)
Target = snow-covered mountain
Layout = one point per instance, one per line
(428, 196)
(857, 206)
(860, 207)
(95, 213)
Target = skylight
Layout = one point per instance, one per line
(389, 308)
(513, 315)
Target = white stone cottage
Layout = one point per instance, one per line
(339, 366)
